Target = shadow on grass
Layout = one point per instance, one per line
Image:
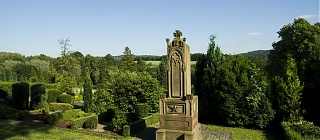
(11, 128)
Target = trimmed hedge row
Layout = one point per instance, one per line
(65, 98)
(86, 122)
(302, 130)
(142, 110)
(38, 96)
(60, 106)
(65, 115)
(20, 95)
(53, 95)
(135, 127)
(8, 112)
(7, 86)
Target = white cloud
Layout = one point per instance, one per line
(254, 33)
(308, 16)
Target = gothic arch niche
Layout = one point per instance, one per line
(176, 75)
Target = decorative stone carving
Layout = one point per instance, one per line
(178, 108)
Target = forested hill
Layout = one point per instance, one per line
(258, 53)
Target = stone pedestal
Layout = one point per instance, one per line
(178, 108)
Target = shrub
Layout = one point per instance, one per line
(3, 95)
(65, 98)
(142, 110)
(53, 95)
(118, 122)
(91, 122)
(8, 112)
(6, 86)
(300, 130)
(86, 122)
(111, 113)
(65, 115)
(38, 96)
(126, 131)
(87, 95)
(60, 106)
(20, 95)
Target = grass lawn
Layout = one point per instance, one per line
(11, 130)
(245, 134)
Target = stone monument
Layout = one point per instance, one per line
(178, 108)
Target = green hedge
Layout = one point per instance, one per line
(60, 106)
(135, 127)
(142, 110)
(86, 122)
(8, 112)
(65, 115)
(302, 130)
(6, 86)
(65, 98)
(20, 95)
(53, 95)
(38, 96)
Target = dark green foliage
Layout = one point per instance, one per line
(300, 40)
(90, 122)
(60, 106)
(102, 100)
(87, 95)
(65, 98)
(231, 90)
(3, 95)
(118, 122)
(53, 95)
(38, 96)
(302, 130)
(20, 95)
(142, 110)
(258, 53)
(127, 62)
(111, 113)
(8, 112)
(129, 88)
(162, 73)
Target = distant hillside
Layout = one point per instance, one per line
(258, 53)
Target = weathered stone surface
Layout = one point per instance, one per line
(179, 108)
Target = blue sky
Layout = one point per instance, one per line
(99, 27)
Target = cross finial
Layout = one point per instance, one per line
(178, 33)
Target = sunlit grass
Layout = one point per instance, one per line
(11, 130)
(245, 134)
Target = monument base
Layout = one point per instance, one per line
(169, 134)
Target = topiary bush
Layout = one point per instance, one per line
(118, 122)
(142, 110)
(91, 122)
(53, 95)
(20, 95)
(60, 106)
(65, 98)
(38, 96)
(6, 86)
(3, 95)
